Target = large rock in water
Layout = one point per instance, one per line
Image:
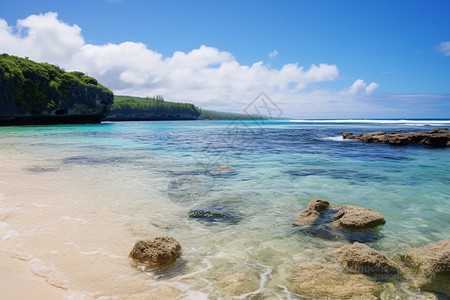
(360, 258)
(436, 137)
(328, 282)
(38, 94)
(160, 251)
(351, 216)
(311, 212)
(431, 265)
(349, 222)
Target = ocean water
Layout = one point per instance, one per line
(74, 199)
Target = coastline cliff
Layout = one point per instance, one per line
(34, 93)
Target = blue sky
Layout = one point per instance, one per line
(372, 59)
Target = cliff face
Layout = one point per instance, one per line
(33, 93)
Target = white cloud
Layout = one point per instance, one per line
(44, 36)
(360, 87)
(444, 47)
(205, 76)
(273, 54)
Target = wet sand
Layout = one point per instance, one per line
(18, 282)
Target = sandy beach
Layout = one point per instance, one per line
(18, 282)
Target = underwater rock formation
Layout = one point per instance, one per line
(215, 214)
(329, 282)
(350, 222)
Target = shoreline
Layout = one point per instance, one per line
(19, 282)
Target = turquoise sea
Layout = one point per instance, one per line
(75, 198)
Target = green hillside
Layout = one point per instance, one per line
(127, 108)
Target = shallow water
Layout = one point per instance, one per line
(74, 199)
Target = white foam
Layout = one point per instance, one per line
(50, 272)
(264, 278)
(371, 121)
(208, 266)
(338, 138)
(9, 234)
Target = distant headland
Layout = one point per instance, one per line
(40, 93)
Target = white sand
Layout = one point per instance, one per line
(18, 282)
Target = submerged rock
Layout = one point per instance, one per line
(351, 216)
(160, 251)
(436, 137)
(360, 258)
(218, 214)
(311, 212)
(238, 283)
(353, 223)
(328, 282)
(431, 264)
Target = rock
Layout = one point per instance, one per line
(319, 219)
(328, 282)
(217, 214)
(238, 283)
(432, 265)
(348, 135)
(311, 212)
(160, 251)
(360, 258)
(351, 216)
(436, 137)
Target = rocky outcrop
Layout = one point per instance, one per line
(329, 282)
(360, 258)
(311, 212)
(436, 137)
(160, 251)
(431, 266)
(353, 223)
(33, 94)
(351, 216)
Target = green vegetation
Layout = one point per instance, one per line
(155, 108)
(151, 108)
(36, 86)
(216, 115)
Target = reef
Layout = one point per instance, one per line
(436, 137)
